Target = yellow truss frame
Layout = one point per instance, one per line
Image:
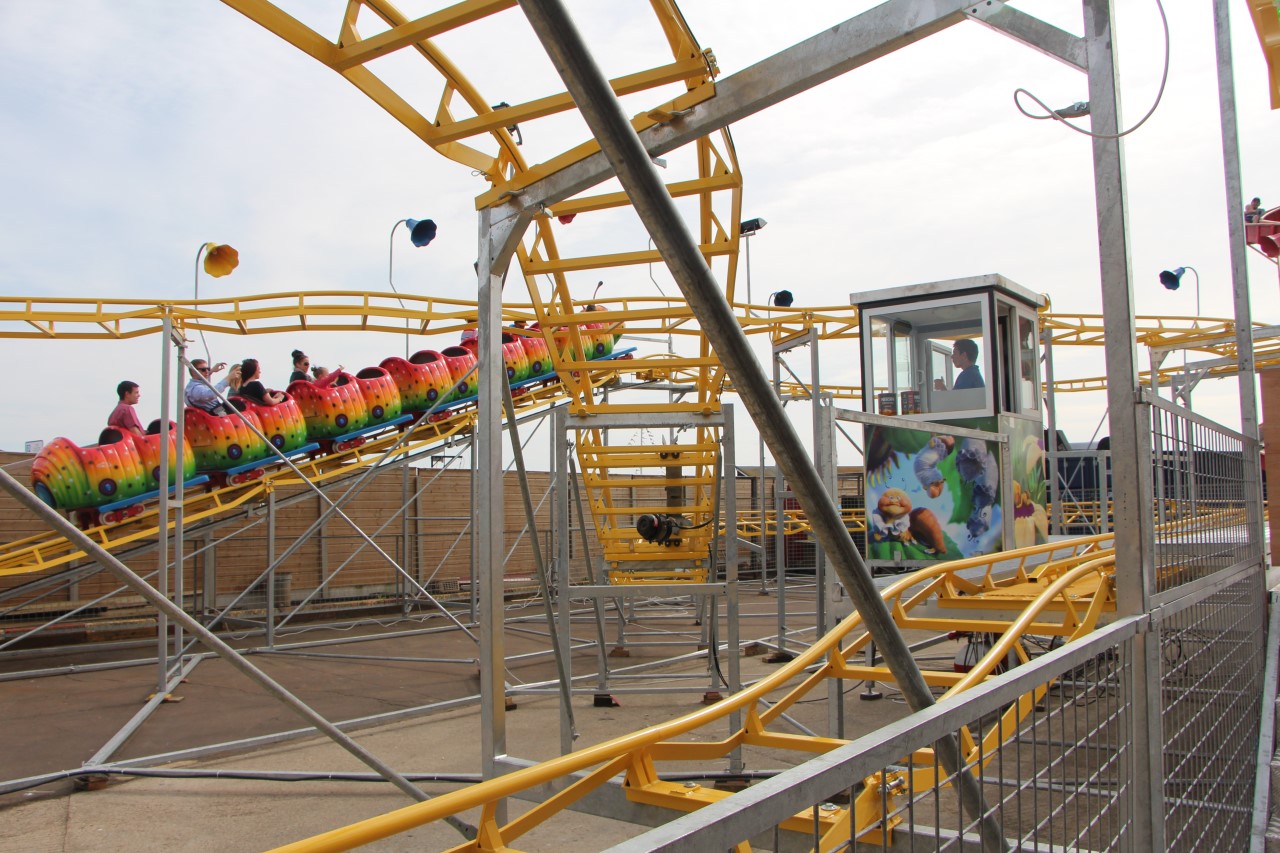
(1065, 597)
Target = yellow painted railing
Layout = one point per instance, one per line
(1061, 589)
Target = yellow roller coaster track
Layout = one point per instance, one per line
(47, 551)
(336, 310)
(1059, 590)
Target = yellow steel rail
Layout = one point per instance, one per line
(107, 319)
(47, 550)
(269, 313)
(1072, 590)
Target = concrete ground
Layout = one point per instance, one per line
(56, 723)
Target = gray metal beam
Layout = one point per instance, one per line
(1239, 273)
(1130, 433)
(835, 51)
(1034, 33)
(648, 195)
(487, 495)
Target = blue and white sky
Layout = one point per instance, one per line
(133, 132)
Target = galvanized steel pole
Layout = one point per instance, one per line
(599, 107)
(1131, 477)
(1247, 373)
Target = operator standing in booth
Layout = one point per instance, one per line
(964, 356)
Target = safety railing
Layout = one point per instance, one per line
(1211, 663)
(1067, 775)
(1058, 779)
(1201, 496)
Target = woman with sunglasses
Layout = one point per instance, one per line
(300, 365)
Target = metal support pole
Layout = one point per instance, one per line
(825, 424)
(540, 566)
(1247, 372)
(779, 540)
(473, 572)
(271, 568)
(491, 376)
(728, 465)
(759, 506)
(600, 108)
(179, 495)
(162, 512)
(1130, 431)
(406, 548)
(562, 638)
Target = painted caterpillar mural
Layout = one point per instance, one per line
(108, 482)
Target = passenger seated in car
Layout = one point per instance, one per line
(251, 388)
(198, 393)
(123, 417)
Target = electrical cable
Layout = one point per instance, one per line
(1056, 115)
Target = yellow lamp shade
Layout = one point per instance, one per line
(220, 260)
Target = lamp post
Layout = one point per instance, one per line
(1172, 280)
(747, 230)
(421, 232)
(219, 260)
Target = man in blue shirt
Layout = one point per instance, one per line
(964, 356)
(200, 395)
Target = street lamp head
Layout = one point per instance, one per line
(219, 259)
(751, 226)
(421, 231)
(1172, 279)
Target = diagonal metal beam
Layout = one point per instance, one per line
(639, 178)
(1036, 34)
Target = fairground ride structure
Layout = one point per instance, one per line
(542, 197)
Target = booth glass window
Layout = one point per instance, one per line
(1028, 364)
(929, 358)
(880, 357)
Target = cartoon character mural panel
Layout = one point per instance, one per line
(1030, 487)
(931, 497)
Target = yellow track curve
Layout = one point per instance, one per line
(1073, 589)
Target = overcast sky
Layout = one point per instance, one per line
(135, 131)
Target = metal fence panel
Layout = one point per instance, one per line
(1059, 779)
(1201, 497)
(1212, 658)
